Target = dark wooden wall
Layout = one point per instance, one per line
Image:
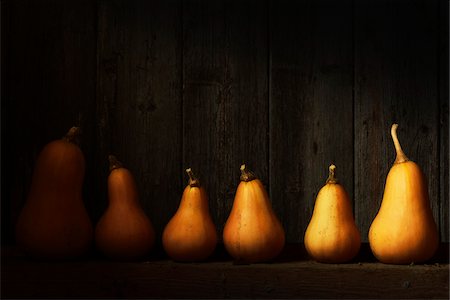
(287, 87)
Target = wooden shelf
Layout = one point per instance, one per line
(292, 275)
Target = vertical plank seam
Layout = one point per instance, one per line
(97, 190)
(438, 91)
(269, 107)
(354, 104)
(446, 9)
(5, 185)
(443, 119)
(182, 160)
(103, 137)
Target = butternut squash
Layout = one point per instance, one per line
(404, 230)
(252, 232)
(124, 232)
(332, 235)
(191, 235)
(54, 223)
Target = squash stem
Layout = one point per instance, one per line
(246, 175)
(72, 136)
(332, 176)
(114, 163)
(401, 157)
(193, 180)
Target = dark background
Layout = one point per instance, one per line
(287, 87)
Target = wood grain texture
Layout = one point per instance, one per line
(139, 99)
(395, 82)
(286, 87)
(444, 153)
(311, 105)
(225, 107)
(293, 277)
(48, 86)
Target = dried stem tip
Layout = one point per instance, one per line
(246, 175)
(332, 176)
(193, 181)
(401, 157)
(114, 163)
(73, 135)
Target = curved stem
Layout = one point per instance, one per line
(193, 180)
(114, 163)
(401, 157)
(332, 176)
(246, 175)
(72, 136)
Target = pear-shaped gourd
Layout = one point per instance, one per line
(404, 230)
(252, 232)
(332, 235)
(124, 232)
(191, 234)
(53, 223)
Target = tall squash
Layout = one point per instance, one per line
(404, 230)
(53, 223)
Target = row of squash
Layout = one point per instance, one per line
(54, 224)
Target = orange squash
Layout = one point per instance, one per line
(404, 230)
(191, 234)
(53, 223)
(124, 232)
(252, 232)
(332, 235)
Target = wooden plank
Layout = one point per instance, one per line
(225, 107)
(292, 276)
(49, 86)
(395, 81)
(444, 123)
(139, 100)
(311, 105)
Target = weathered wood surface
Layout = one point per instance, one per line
(225, 107)
(139, 103)
(292, 275)
(444, 128)
(311, 105)
(396, 80)
(48, 85)
(285, 87)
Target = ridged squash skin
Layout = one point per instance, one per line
(332, 235)
(252, 232)
(190, 235)
(124, 232)
(54, 223)
(404, 230)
